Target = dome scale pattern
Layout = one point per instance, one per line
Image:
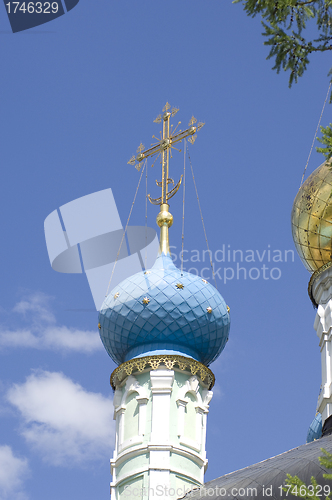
(163, 311)
(312, 219)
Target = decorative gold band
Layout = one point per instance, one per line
(313, 279)
(169, 361)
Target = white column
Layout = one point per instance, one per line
(204, 432)
(120, 416)
(159, 469)
(181, 414)
(142, 402)
(161, 388)
(199, 424)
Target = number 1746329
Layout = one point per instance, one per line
(32, 7)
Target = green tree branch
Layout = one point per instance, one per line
(284, 22)
(294, 486)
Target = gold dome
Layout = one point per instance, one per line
(312, 219)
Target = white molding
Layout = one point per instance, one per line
(191, 386)
(140, 470)
(130, 442)
(143, 449)
(207, 396)
(190, 443)
(132, 385)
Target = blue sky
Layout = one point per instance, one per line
(78, 96)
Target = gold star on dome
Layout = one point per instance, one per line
(99, 326)
(179, 286)
(116, 295)
(204, 281)
(147, 272)
(146, 300)
(228, 309)
(209, 309)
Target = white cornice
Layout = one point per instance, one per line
(143, 449)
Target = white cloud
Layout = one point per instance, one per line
(55, 337)
(61, 420)
(38, 304)
(13, 470)
(43, 332)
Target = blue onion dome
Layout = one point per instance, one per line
(164, 311)
(315, 429)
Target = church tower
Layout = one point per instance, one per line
(163, 327)
(312, 234)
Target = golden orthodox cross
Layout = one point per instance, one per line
(162, 148)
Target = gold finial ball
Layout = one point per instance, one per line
(312, 218)
(164, 218)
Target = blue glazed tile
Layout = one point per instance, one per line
(153, 306)
(140, 322)
(190, 317)
(177, 299)
(153, 320)
(132, 316)
(161, 326)
(173, 317)
(160, 298)
(137, 307)
(168, 333)
(198, 311)
(146, 313)
(162, 285)
(175, 314)
(192, 302)
(161, 313)
(170, 292)
(182, 321)
(120, 320)
(195, 325)
(192, 288)
(169, 307)
(117, 328)
(173, 326)
(184, 308)
(200, 297)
